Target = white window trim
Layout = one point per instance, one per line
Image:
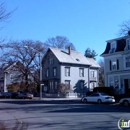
(81, 72)
(67, 71)
(124, 58)
(112, 50)
(112, 65)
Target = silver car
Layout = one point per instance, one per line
(98, 98)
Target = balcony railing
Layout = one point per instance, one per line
(93, 78)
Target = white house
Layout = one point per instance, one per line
(117, 64)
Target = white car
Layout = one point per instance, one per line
(99, 98)
(125, 101)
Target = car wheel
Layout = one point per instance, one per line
(99, 101)
(85, 100)
(125, 103)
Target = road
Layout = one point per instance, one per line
(60, 115)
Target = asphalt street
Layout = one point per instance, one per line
(60, 115)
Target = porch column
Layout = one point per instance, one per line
(89, 78)
(5, 87)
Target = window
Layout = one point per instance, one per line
(81, 72)
(67, 71)
(67, 82)
(113, 47)
(81, 84)
(127, 47)
(51, 61)
(47, 73)
(54, 72)
(11, 76)
(94, 95)
(77, 60)
(127, 61)
(56, 84)
(51, 84)
(114, 65)
(92, 74)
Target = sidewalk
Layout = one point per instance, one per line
(51, 99)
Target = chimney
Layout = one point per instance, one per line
(69, 50)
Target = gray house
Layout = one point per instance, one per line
(117, 64)
(69, 67)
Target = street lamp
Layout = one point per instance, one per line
(40, 67)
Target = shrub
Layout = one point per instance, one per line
(63, 88)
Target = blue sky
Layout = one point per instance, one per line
(86, 23)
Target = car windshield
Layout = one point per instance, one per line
(103, 94)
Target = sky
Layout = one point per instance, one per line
(86, 23)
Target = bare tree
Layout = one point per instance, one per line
(27, 52)
(125, 28)
(60, 42)
(4, 15)
(101, 72)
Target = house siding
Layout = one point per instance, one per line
(74, 76)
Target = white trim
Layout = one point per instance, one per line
(118, 74)
(116, 56)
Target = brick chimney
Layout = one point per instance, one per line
(69, 50)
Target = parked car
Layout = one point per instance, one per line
(25, 95)
(1, 94)
(29, 95)
(21, 95)
(7, 94)
(125, 101)
(15, 95)
(98, 98)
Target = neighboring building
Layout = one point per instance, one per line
(69, 67)
(117, 64)
(11, 74)
(1, 79)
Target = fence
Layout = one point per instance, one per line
(58, 95)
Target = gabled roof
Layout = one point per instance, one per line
(9, 66)
(74, 58)
(93, 62)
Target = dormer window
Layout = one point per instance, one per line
(113, 47)
(127, 47)
(50, 61)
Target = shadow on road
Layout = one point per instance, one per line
(63, 106)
